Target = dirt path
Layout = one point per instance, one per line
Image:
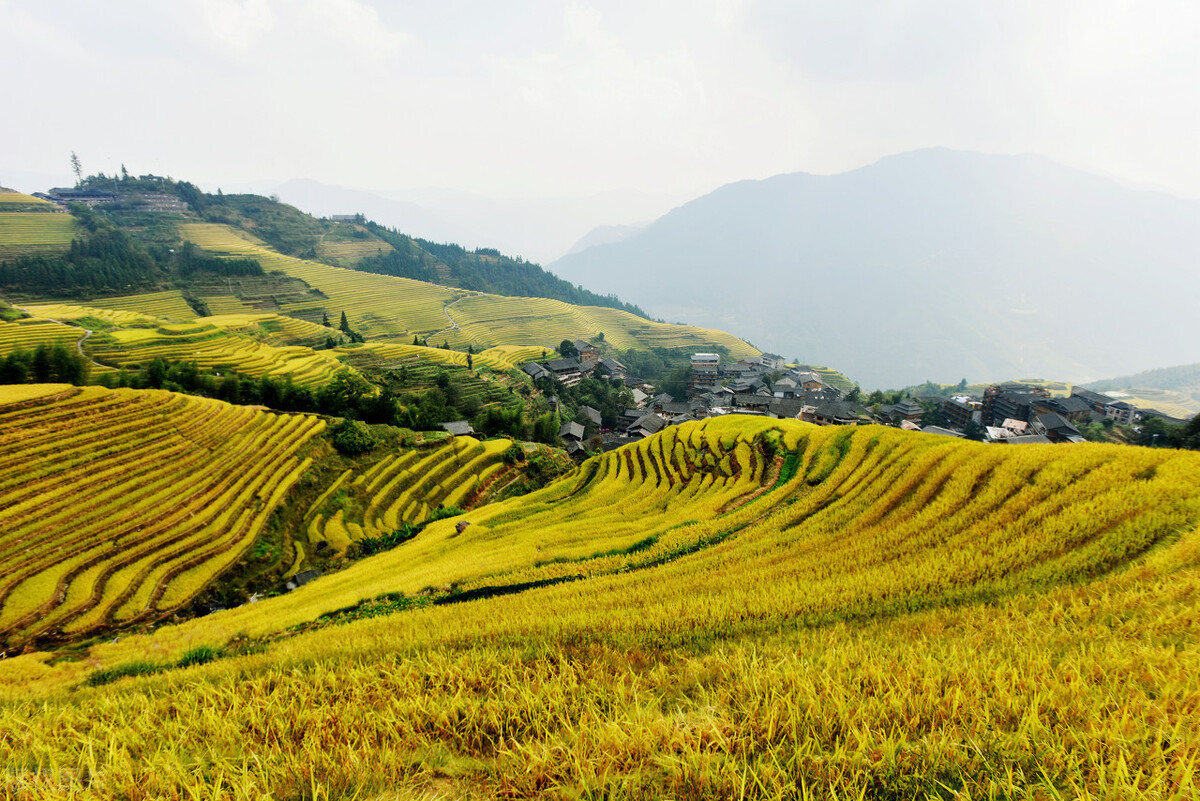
(446, 310)
(87, 332)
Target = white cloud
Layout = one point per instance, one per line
(240, 24)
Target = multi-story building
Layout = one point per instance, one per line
(706, 370)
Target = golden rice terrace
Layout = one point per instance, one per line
(737, 608)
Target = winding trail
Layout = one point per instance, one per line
(446, 310)
(87, 332)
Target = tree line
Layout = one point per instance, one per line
(480, 270)
(45, 364)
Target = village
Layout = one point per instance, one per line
(1008, 413)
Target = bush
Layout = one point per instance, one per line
(352, 437)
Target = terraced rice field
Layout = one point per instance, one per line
(28, 333)
(491, 319)
(736, 608)
(350, 251)
(830, 376)
(168, 305)
(69, 311)
(375, 305)
(226, 304)
(19, 201)
(902, 512)
(214, 343)
(503, 357)
(274, 329)
(117, 505)
(404, 488)
(385, 306)
(512, 357)
(34, 232)
(1175, 404)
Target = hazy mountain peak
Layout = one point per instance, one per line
(935, 263)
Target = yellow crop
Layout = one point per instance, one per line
(35, 232)
(168, 304)
(28, 333)
(68, 311)
(736, 608)
(116, 503)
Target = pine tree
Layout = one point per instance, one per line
(344, 325)
(325, 319)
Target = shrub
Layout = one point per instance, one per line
(352, 437)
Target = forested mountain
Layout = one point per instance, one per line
(933, 264)
(481, 270)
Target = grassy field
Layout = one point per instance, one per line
(740, 608)
(117, 505)
(34, 232)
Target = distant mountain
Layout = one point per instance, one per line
(934, 264)
(538, 229)
(1184, 378)
(605, 235)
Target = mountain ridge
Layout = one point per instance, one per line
(926, 232)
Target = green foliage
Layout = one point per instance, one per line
(542, 466)
(199, 655)
(442, 512)
(481, 270)
(513, 454)
(103, 676)
(369, 546)
(46, 363)
(9, 313)
(352, 437)
(105, 260)
(191, 261)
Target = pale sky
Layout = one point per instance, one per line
(572, 97)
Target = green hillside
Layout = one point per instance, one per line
(236, 254)
(735, 608)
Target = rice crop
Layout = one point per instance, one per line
(735, 608)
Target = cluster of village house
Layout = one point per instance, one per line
(1005, 413)
(161, 202)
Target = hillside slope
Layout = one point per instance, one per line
(741, 607)
(932, 265)
(1173, 390)
(396, 308)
